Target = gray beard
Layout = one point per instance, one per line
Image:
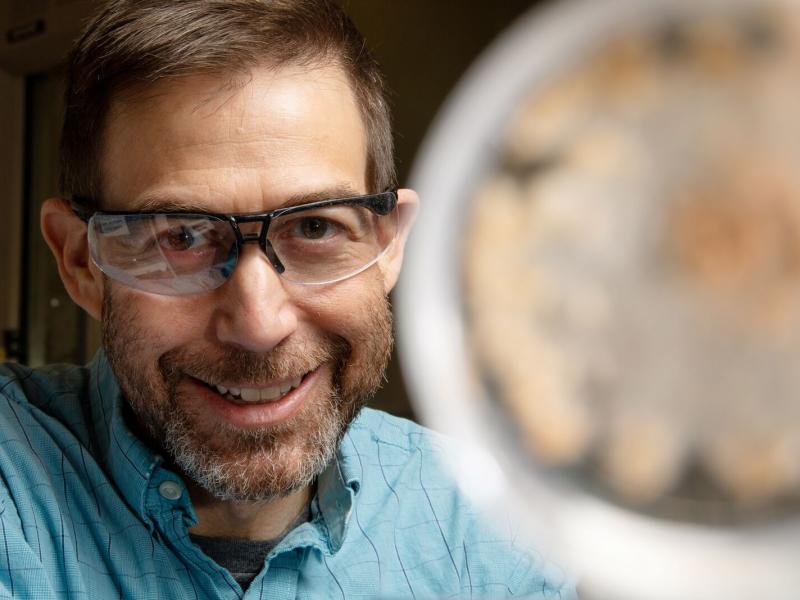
(230, 463)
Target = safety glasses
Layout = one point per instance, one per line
(181, 253)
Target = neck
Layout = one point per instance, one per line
(263, 520)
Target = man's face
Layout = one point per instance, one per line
(204, 143)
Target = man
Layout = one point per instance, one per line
(228, 213)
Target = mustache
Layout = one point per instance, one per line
(285, 361)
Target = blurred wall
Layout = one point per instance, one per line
(12, 126)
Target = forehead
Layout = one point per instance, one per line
(234, 145)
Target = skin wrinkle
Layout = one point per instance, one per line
(292, 107)
(163, 201)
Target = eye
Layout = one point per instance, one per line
(314, 228)
(178, 238)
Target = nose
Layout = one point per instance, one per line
(254, 310)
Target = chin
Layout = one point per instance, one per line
(257, 465)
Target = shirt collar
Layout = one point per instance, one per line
(129, 461)
(337, 489)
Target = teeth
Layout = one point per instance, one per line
(250, 394)
(266, 394)
(271, 393)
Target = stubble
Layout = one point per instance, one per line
(228, 462)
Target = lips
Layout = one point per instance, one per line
(238, 405)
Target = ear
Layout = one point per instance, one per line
(408, 206)
(65, 233)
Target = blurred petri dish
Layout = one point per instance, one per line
(603, 291)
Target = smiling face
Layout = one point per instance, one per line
(248, 387)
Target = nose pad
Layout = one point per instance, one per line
(266, 246)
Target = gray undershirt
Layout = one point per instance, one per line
(243, 558)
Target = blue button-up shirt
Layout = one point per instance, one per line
(85, 512)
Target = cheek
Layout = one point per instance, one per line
(345, 309)
(160, 323)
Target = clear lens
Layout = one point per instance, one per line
(180, 254)
(324, 245)
(164, 254)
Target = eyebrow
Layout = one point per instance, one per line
(166, 204)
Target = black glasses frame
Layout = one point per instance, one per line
(381, 204)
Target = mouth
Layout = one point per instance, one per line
(249, 405)
(257, 395)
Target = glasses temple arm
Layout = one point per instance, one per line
(81, 210)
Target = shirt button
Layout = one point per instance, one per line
(170, 490)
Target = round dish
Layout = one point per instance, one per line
(621, 541)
